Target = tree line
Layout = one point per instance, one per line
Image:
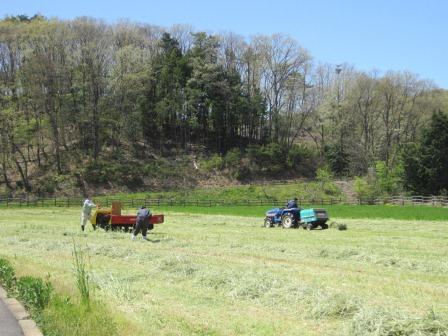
(74, 90)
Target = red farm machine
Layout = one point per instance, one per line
(112, 219)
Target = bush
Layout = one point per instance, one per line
(388, 179)
(264, 156)
(302, 160)
(7, 274)
(110, 171)
(325, 179)
(46, 185)
(34, 292)
(365, 190)
(243, 172)
(214, 163)
(232, 158)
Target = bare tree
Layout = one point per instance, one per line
(282, 58)
(183, 33)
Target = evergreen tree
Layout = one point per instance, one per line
(163, 110)
(426, 163)
(337, 158)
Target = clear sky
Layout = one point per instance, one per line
(369, 34)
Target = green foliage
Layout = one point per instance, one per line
(389, 180)
(81, 274)
(414, 174)
(111, 171)
(268, 160)
(232, 158)
(65, 317)
(324, 175)
(302, 160)
(243, 171)
(46, 185)
(34, 292)
(272, 152)
(83, 89)
(214, 163)
(426, 163)
(7, 274)
(162, 169)
(238, 166)
(365, 190)
(337, 159)
(325, 179)
(381, 181)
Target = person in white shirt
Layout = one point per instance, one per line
(87, 207)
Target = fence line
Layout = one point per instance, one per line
(107, 201)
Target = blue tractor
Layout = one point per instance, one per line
(290, 218)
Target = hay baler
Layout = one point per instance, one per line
(112, 219)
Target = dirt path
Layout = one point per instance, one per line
(347, 189)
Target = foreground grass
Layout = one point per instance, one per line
(225, 275)
(65, 316)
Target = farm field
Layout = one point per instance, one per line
(214, 273)
(335, 211)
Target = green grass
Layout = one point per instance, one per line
(219, 274)
(65, 316)
(335, 211)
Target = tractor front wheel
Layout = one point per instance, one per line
(268, 223)
(309, 226)
(287, 221)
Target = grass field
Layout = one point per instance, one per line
(212, 273)
(336, 211)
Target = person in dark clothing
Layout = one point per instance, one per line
(141, 223)
(292, 204)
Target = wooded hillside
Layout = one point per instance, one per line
(98, 103)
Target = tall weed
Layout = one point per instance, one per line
(81, 273)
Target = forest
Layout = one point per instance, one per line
(86, 102)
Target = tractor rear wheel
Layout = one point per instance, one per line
(324, 226)
(268, 223)
(287, 221)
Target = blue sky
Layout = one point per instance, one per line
(382, 35)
